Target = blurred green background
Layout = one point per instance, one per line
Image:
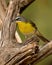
(40, 12)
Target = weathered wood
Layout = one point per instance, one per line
(6, 24)
(43, 53)
(3, 7)
(8, 55)
(26, 57)
(33, 59)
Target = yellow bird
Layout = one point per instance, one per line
(27, 27)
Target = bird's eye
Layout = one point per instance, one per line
(18, 18)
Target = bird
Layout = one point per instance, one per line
(27, 27)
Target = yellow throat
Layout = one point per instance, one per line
(25, 28)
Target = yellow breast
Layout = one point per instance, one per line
(26, 28)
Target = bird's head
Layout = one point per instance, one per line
(20, 19)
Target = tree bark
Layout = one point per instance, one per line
(3, 7)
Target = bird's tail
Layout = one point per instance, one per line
(42, 37)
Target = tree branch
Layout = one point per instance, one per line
(9, 55)
(27, 3)
(25, 56)
(43, 53)
(3, 7)
(6, 24)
